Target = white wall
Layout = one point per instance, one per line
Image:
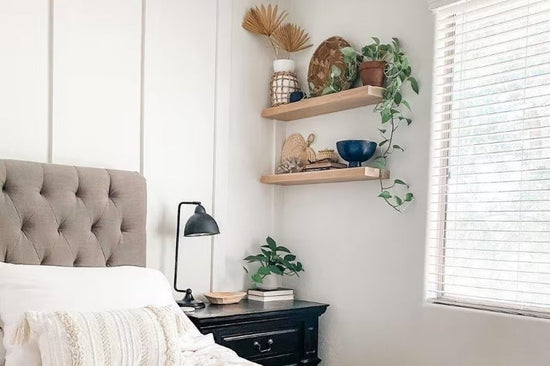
(246, 213)
(362, 257)
(96, 83)
(118, 84)
(24, 79)
(179, 100)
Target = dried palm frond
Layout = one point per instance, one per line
(291, 38)
(262, 20)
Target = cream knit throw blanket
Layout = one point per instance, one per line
(150, 336)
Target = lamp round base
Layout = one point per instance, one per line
(192, 304)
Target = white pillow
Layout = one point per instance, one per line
(48, 288)
(147, 336)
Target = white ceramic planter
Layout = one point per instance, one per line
(270, 282)
(284, 64)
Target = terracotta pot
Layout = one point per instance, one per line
(372, 72)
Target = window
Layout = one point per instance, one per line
(489, 211)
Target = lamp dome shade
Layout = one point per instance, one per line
(201, 224)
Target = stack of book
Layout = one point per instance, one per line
(326, 165)
(280, 294)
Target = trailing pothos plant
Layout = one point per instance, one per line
(274, 259)
(398, 74)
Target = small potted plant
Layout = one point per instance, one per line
(275, 262)
(374, 59)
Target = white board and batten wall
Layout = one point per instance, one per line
(24, 79)
(148, 86)
(124, 85)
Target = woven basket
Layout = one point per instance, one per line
(282, 84)
(327, 154)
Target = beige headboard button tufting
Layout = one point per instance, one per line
(71, 216)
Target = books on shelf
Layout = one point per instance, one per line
(280, 294)
(324, 166)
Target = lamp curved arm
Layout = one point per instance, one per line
(178, 241)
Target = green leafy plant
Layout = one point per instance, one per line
(339, 82)
(398, 74)
(274, 259)
(376, 51)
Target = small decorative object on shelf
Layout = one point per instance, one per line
(328, 71)
(283, 82)
(327, 154)
(295, 146)
(224, 298)
(355, 152)
(275, 262)
(288, 37)
(297, 96)
(290, 165)
(279, 294)
(397, 73)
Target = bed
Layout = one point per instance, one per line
(73, 287)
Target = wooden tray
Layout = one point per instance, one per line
(223, 298)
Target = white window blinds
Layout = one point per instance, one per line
(489, 212)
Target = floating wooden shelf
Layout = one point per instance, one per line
(326, 176)
(348, 99)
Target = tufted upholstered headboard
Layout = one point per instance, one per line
(71, 216)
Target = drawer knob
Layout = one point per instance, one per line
(258, 346)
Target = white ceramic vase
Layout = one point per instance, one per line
(270, 282)
(284, 64)
(283, 81)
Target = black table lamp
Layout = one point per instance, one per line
(200, 224)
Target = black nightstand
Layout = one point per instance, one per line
(271, 333)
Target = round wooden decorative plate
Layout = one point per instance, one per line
(327, 54)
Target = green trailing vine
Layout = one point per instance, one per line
(398, 74)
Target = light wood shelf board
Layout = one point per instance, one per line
(326, 176)
(347, 99)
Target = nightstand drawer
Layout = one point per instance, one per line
(265, 343)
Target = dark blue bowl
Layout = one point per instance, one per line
(356, 151)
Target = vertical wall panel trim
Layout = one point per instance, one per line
(50, 81)
(220, 179)
(142, 92)
(214, 129)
